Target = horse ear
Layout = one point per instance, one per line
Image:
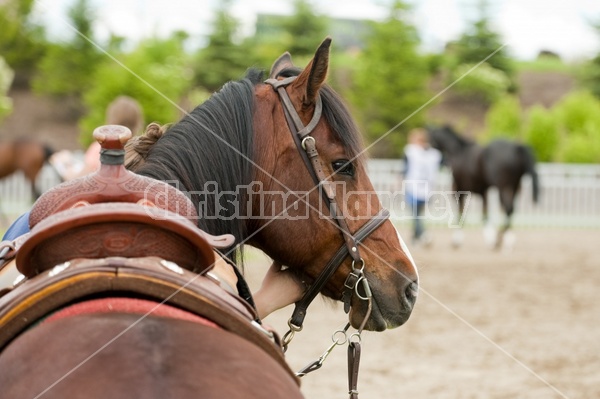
(283, 62)
(315, 74)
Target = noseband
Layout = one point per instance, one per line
(307, 148)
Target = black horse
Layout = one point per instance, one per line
(476, 168)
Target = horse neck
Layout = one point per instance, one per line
(457, 146)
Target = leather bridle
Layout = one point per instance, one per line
(306, 145)
(307, 148)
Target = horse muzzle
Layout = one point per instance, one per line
(386, 311)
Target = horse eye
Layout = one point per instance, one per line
(343, 167)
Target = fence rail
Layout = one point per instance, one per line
(569, 196)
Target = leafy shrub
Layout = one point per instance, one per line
(578, 117)
(504, 119)
(156, 74)
(577, 110)
(67, 68)
(582, 147)
(542, 133)
(483, 82)
(6, 78)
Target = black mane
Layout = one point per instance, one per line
(210, 150)
(448, 141)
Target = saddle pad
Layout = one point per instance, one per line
(142, 307)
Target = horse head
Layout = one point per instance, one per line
(279, 165)
(447, 140)
(316, 185)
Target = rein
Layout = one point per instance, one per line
(306, 145)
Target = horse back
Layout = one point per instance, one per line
(124, 356)
(505, 162)
(7, 159)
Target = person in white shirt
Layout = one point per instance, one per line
(421, 166)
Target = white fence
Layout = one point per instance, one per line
(569, 196)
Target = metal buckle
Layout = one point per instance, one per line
(352, 279)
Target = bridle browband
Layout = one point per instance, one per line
(307, 148)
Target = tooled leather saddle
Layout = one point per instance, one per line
(112, 233)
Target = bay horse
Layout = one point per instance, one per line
(26, 155)
(475, 168)
(277, 163)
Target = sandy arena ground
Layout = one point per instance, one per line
(520, 324)
(524, 324)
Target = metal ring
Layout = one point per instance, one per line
(366, 287)
(306, 138)
(362, 266)
(355, 335)
(294, 327)
(339, 337)
(286, 339)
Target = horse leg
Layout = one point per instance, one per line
(490, 235)
(458, 235)
(507, 198)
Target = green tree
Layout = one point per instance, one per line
(390, 82)
(577, 111)
(542, 133)
(578, 116)
(300, 34)
(67, 68)
(481, 83)
(22, 42)
(6, 77)
(156, 74)
(222, 59)
(591, 70)
(304, 29)
(504, 119)
(591, 78)
(480, 42)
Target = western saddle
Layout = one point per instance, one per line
(115, 233)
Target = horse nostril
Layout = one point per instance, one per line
(410, 293)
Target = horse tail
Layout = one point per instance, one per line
(138, 147)
(529, 158)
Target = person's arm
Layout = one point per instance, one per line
(279, 289)
(18, 228)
